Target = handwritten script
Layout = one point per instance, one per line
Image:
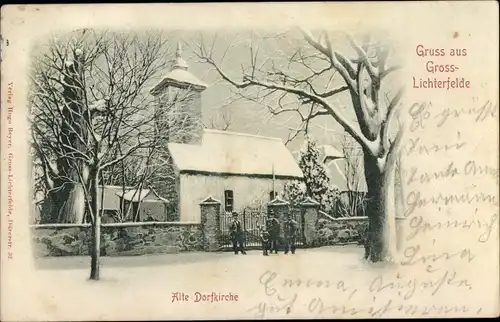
(450, 214)
(339, 298)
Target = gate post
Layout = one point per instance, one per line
(279, 208)
(210, 224)
(309, 213)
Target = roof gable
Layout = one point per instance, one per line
(236, 153)
(139, 195)
(180, 78)
(330, 153)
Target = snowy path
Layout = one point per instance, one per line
(134, 288)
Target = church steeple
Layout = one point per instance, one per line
(179, 76)
(180, 63)
(179, 86)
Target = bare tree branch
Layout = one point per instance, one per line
(333, 111)
(89, 105)
(345, 69)
(364, 58)
(386, 123)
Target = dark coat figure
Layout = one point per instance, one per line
(237, 235)
(274, 234)
(264, 238)
(290, 231)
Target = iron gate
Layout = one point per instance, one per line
(296, 214)
(252, 222)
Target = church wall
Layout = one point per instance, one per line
(193, 108)
(188, 131)
(247, 192)
(184, 114)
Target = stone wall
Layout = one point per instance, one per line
(340, 231)
(139, 238)
(119, 239)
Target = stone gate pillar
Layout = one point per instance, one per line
(210, 224)
(310, 208)
(279, 209)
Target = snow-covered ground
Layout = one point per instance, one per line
(323, 282)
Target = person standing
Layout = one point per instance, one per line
(274, 232)
(264, 238)
(237, 235)
(290, 235)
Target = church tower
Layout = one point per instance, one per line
(178, 94)
(181, 90)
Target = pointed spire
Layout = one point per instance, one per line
(179, 76)
(180, 63)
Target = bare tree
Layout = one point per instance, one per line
(353, 172)
(303, 80)
(91, 110)
(223, 119)
(151, 166)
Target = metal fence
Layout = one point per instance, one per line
(252, 222)
(297, 216)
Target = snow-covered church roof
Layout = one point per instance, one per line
(230, 153)
(179, 76)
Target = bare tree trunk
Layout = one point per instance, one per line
(139, 203)
(74, 210)
(381, 239)
(389, 235)
(67, 204)
(56, 205)
(73, 135)
(96, 227)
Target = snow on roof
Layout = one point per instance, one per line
(185, 77)
(180, 76)
(225, 152)
(329, 152)
(136, 195)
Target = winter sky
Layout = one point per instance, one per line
(251, 117)
(274, 48)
